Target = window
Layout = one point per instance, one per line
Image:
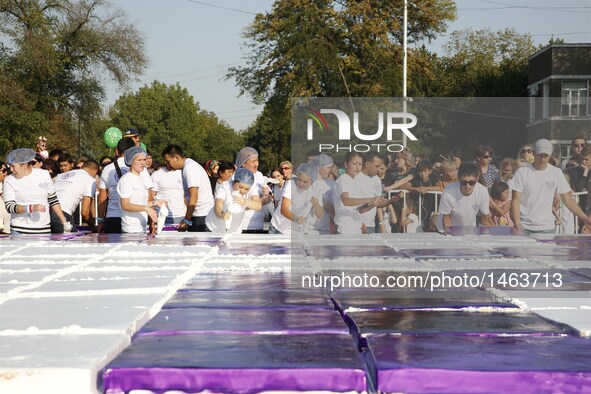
(574, 98)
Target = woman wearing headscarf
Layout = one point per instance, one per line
(232, 198)
(253, 221)
(300, 203)
(28, 195)
(134, 195)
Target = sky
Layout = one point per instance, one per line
(194, 42)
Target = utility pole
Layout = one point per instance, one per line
(404, 67)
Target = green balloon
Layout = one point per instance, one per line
(143, 146)
(112, 136)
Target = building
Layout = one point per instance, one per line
(559, 85)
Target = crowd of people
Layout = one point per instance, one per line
(46, 192)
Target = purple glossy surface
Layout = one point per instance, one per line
(451, 253)
(110, 238)
(497, 274)
(584, 272)
(452, 322)
(452, 364)
(239, 281)
(303, 321)
(337, 251)
(415, 299)
(544, 253)
(472, 230)
(238, 363)
(185, 241)
(258, 250)
(287, 299)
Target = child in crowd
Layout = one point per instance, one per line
(410, 220)
(232, 197)
(500, 204)
(565, 219)
(300, 203)
(225, 171)
(350, 198)
(422, 183)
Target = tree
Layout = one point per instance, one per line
(483, 63)
(55, 55)
(328, 48)
(169, 114)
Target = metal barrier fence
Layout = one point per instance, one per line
(577, 197)
(391, 193)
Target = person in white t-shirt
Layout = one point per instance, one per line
(325, 188)
(28, 195)
(534, 187)
(196, 185)
(109, 210)
(350, 198)
(461, 201)
(232, 198)
(299, 204)
(371, 184)
(168, 186)
(72, 188)
(254, 221)
(133, 194)
(4, 215)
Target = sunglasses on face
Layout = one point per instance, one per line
(464, 183)
(286, 168)
(579, 145)
(526, 151)
(4, 170)
(486, 156)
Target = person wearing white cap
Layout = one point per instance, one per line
(28, 195)
(109, 208)
(134, 195)
(232, 198)
(533, 190)
(253, 221)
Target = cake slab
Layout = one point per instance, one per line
(451, 323)
(244, 321)
(578, 319)
(451, 253)
(256, 250)
(454, 364)
(584, 272)
(100, 281)
(352, 251)
(546, 252)
(118, 313)
(358, 299)
(285, 299)
(238, 363)
(237, 281)
(551, 299)
(67, 363)
(487, 263)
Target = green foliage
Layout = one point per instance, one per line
(168, 114)
(54, 55)
(483, 63)
(327, 48)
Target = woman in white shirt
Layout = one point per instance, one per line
(133, 194)
(300, 203)
(350, 198)
(231, 200)
(28, 195)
